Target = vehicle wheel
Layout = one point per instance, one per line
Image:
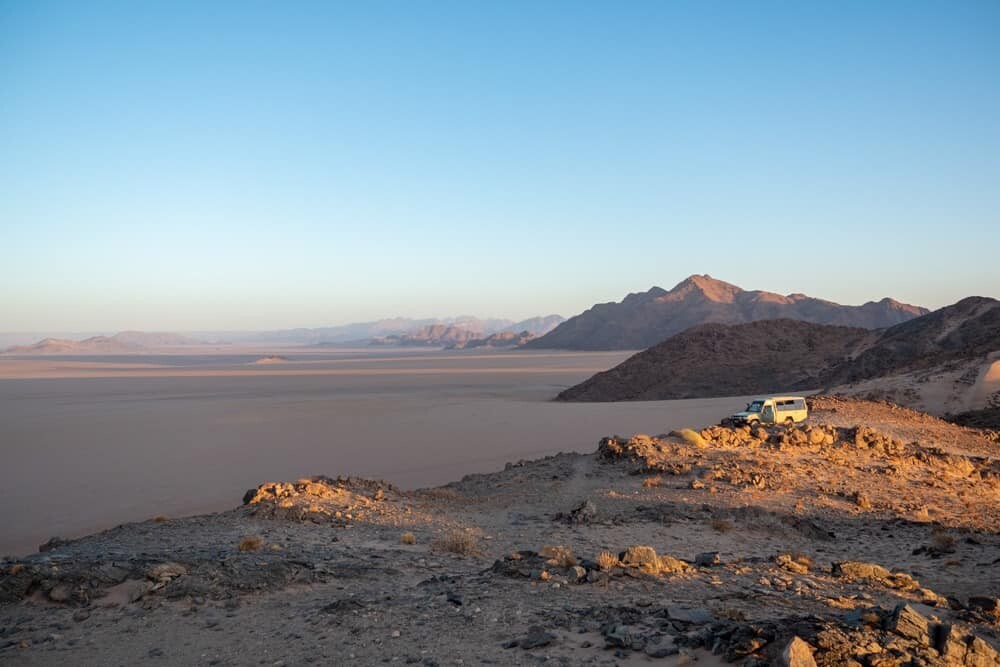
(753, 423)
(789, 422)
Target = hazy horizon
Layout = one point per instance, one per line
(387, 318)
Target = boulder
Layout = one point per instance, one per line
(797, 653)
(906, 622)
(585, 512)
(707, 559)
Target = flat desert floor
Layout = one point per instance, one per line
(93, 441)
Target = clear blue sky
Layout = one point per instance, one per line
(193, 165)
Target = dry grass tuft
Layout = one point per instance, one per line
(942, 541)
(251, 543)
(15, 568)
(161, 518)
(440, 493)
(558, 556)
(459, 542)
(871, 618)
(408, 538)
(730, 613)
(721, 525)
(607, 560)
(802, 559)
(652, 482)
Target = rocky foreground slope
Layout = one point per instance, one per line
(869, 537)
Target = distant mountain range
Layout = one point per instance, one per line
(645, 319)
(945, 361)
(397, 331)
(123, 342)
(454, 332)
(497, 340)
(474, 333)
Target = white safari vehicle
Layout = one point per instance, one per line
(775, 410)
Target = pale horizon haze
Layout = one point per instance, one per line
(190, 166)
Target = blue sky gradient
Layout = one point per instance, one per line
(188, 165)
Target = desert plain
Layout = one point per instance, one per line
(129, 437)
(437, 508)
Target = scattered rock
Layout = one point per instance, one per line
(906, 622)
(797, 653)
(536, 638)
(707, 559)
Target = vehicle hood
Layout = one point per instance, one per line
(745, 414)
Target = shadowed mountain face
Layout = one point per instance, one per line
(965, 330)
(778, 355)
(725, 360)
(645, 319)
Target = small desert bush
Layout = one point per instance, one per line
(942, 541)
(15, 568)
(607, 560)
(692, 438)
(459, 542)
(802, 559)
(721, 525)
(730, 613)
(161, 518)
(440, 493)
(558, 556)
(408, 538)
(251, 543)
(651, 482)
(871, 618)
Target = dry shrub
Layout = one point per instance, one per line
(721, 525)
(942, 541)
(871, 618)
(802, 559)
(730, 613)
(251, 543)
(862, 501)
(440, 493)
(408, 538)
(459, 542)
(607, 560)
(161, 518)
(651, 482)
(15, 568)
(558, 556)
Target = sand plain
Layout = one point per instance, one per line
(93, 441)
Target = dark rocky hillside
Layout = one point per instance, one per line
(719, 359)
(780, 355)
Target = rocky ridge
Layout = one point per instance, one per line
(644, 319)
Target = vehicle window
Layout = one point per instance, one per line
(800, 404)
(755, 406)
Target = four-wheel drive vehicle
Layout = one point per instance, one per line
(776, 410)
